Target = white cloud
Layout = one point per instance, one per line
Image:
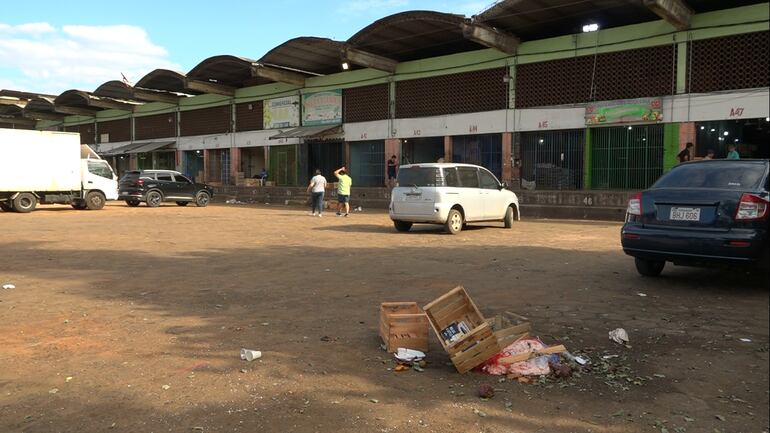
(377, 7)
(49, 60)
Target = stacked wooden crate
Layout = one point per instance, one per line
(402, 324)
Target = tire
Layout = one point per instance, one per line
(24, 202)
(182, 203)
(7, 207)
(79, 204)
(649, 268)
(202, 199)
(154, 199)
(95, 200)
(509, 218)
(402, 226)
(454, 222)
(133, 203)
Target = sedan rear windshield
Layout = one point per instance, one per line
(717, 175)
(420, 176)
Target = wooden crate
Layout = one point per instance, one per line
(402, 324)
(474, 348)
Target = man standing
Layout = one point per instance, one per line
(316, 188)
(732, 152)
(685, 154)
(343, 190)
(392, 168)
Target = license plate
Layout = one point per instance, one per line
(685, 214)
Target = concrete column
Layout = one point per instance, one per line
(507, 170)
(448, 148)
(179, 161)
(132, 162)
(206, 159)
(687, 134)
(235, 163)
(346, 146)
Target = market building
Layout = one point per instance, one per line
(520, 89)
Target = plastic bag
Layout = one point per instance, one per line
(533, 367)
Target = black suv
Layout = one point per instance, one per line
(156, 186)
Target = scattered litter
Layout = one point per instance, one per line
(53, 391)
(234, 201)
(485, 391)
(619, 335)
(166, 387)
(401, 367)
(374, 400)
(561, 371)
(580, 360)
(642, 294)
(479, 413)
(250, 355)
(745, 340)
(719, 417)
(8, 286)
(525, 357)
(265, 324)
(409, 355)
(68, 379)
(610, 356)
(416, 367)
(358, 209)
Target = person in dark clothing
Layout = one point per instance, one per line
(392, 169)
(686, 153)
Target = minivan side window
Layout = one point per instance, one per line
(487, 180)
(450, 177)
(468, 177)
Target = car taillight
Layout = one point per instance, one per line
(751, 207)
(139, 182)
(635, 204)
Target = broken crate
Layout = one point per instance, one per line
(403, 324)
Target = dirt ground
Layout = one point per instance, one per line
(131, 320)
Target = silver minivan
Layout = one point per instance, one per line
(452, 195)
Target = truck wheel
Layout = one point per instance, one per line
(202, 199)
(454, 222)
(649, 268)
(154, 199)
(24, 202)
(182, 203)
(79, 204)
(133, 203)
(95, 200)
(509, 217)
(402, 226)
(7, 207)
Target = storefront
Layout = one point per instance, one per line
(192, 164)
(218, 164)
(551, 160)
(423, 149)
(252, 161)
(367, 163)
(484, 150)
(751, 137)
(626, 157)
(282, 169)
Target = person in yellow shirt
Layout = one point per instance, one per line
(343, 190)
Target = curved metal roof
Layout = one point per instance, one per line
(11, 110)
(165, 79)
(308, 54)
(73, 98)
(41, 103)
(414, 35)
(229, 70)
(115, 89)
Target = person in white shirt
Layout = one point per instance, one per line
(317, 187)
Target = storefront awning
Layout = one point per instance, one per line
(151, 146)
(120, 150)
(320, 131)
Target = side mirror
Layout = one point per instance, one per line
(503, 185)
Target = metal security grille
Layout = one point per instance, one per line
(363, 104)
(248, 116)
(114, 131)
(484, 150)
(626, 157)
(465, 92)
(552, 159)
(193, 163)
(219, 166)
(85, 130)
(214, 120)
(367, 163)
(155, 126)
(283, 165)
(325, 156)
(617, 75)
(730, 62)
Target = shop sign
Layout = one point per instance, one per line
(322, 108)
(281, 112)
(624, 111)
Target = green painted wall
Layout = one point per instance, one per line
(587, 161)
(670, 145)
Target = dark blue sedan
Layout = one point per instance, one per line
(701, 213)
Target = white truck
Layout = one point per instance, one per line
(51, 168)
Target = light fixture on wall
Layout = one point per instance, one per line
(345, 66)
(506, 78)
(590, 27)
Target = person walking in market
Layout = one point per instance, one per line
(732, 153)
(317, 187)
(344, 183)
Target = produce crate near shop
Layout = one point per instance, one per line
(473, 347)
(403, 324)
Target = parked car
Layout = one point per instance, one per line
(701, 213)
(156, 186)
(452, 195)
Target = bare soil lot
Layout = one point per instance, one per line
(131, 320)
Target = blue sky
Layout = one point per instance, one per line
(49, 46)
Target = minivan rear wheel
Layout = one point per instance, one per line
(649, 268)
(454, 222)
(402, 226)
